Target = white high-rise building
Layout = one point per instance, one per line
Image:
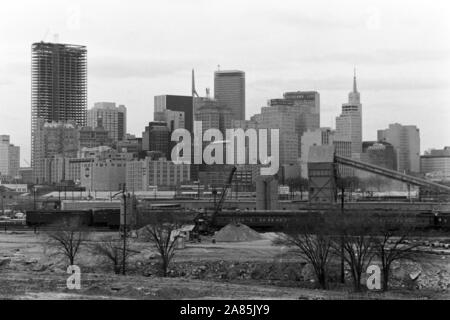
(406, 141)
(110, 117)
(349, 123)
(9, 157)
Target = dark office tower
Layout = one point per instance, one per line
(175, 103)
(58, 85)
(229, 90)
(156, 137)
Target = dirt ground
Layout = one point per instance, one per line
(246, 270)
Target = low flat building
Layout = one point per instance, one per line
(143, 175)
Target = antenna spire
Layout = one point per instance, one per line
(194, 92)
(354, 80)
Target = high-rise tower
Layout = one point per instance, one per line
(58, 85)
(229, 90)
(111, 117)
(349, 123)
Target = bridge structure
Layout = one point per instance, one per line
(323, 165)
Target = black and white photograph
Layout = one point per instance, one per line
(224, 154)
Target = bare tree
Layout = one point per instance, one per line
(313, 242)
(67, 237)
(162, 232)
(112, 250)
(356, 244)
(394, 243)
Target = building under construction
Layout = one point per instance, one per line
(58, 85)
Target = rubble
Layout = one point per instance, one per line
(4, 261)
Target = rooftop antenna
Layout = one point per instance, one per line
(207, 93)
(45, 35)
(194, 92)
(218, 67)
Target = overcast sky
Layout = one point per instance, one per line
(139, 49)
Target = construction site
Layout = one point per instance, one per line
(225, 248)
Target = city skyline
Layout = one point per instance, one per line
(387, 49)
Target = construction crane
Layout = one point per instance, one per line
(204, 223)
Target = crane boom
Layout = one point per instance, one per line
(223, 195)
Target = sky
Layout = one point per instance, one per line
(139, 49)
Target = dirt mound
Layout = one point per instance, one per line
(237, 232)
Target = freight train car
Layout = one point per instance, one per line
(90, 218)
(53, 217)
(281, 219)
(106, 218)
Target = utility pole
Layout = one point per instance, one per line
(342, 237)
(124, 226)
(3, 206)
(34, 198)
(124, 254)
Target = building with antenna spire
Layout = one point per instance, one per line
(349, 123)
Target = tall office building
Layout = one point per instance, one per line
(156, 137)
(213, 115)
(278, 115)
(175, 103)
(53, 139)
(174, 119)
(94, 137)
(229, 89)
(309, 101)
(110, 117)
(381, 154)
(406, 141)
(349, 123)
(58, 85)
(9, 158)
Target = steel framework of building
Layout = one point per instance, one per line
(58, 85)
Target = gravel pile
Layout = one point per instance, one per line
(236, 232)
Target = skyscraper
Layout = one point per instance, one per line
(156, 137)
(113, 119)
(307, 100)
(280, 114)
(406, 141)
(229, 89)
(175, 103)
(213, 115)
(53, 139)
(58, 85)
(349, 123)
(9, 158)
